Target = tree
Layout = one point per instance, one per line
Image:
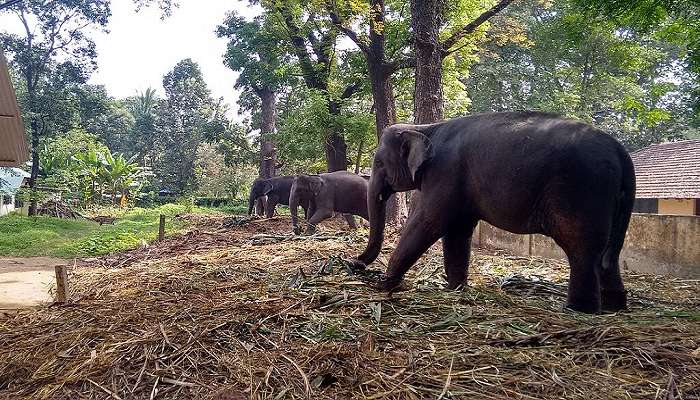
(675, 21)
(312, 40)
(631, 85)
(380, 65)
(59, 28)
(254, 51)
(144, 109)
(53, 30)
(106, 117)
(182, 120)
(428, 19)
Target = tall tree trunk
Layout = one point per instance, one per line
(383, 96)
(358, 158)
(426, 20)
(335, 147)
(268, 150)
(385, 115)
(35, 168)
(336, 153)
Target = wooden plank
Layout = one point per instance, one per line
(61, 284)
(161, 228)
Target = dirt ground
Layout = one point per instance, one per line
(25, 282)
(240, 309)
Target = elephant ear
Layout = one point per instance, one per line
(267, 189)
(416, 149)
(315, 184)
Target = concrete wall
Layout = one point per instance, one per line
(659, 244)
(677, 206)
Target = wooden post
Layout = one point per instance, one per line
(61, 284)
(161, 228)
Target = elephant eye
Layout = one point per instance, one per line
(379, 163)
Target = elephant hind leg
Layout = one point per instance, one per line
(584, 248)
(351, 220)
(456, 248)
(612, 291)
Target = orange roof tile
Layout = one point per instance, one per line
(668, 170)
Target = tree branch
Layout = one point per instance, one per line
(308, 71)
(335, 19)
(351, 89)
(403, 63)
(472, 26)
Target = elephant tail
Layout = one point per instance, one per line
(623, 211)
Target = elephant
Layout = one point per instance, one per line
(340, 191)
(277, 191)
(525, 172)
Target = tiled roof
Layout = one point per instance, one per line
(668, 170)
(13, 145)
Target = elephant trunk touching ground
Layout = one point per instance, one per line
(376, 207)
(294, 200)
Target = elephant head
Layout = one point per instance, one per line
(304, 190)
(398, 166)
(260, 188)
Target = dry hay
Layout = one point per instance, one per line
(57, 209)
(238, 309)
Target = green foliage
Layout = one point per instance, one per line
(45, 236)
(181, 121)
(216, 178)
(305, 122)
(632, 86)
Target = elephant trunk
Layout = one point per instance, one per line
(293, 208)
(251, 201)
(376, 207)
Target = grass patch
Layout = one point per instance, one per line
(22, 236)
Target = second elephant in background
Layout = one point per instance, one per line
(334, 192)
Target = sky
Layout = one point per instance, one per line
(141, 47)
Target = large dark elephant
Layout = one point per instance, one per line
(277, 191)
(334, 192)
(524, 172)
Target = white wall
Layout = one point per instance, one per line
(6, 208)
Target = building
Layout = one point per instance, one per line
(668, 178)
(11, 179)
(13, 144)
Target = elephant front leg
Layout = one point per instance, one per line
(416, 238)
(270, 208)
(456, 248)
(318, 216)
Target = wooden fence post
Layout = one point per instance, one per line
(61, 284)
(161, 228)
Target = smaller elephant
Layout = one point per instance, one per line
(340, 192)
(277, 192)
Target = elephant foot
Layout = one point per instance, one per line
(587, 306)
(456, 285)
(356, 265)
(613, 300)
(388, 284)
(297, 230)
(310, 230)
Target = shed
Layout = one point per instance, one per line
(13, 143)
(668, 178)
